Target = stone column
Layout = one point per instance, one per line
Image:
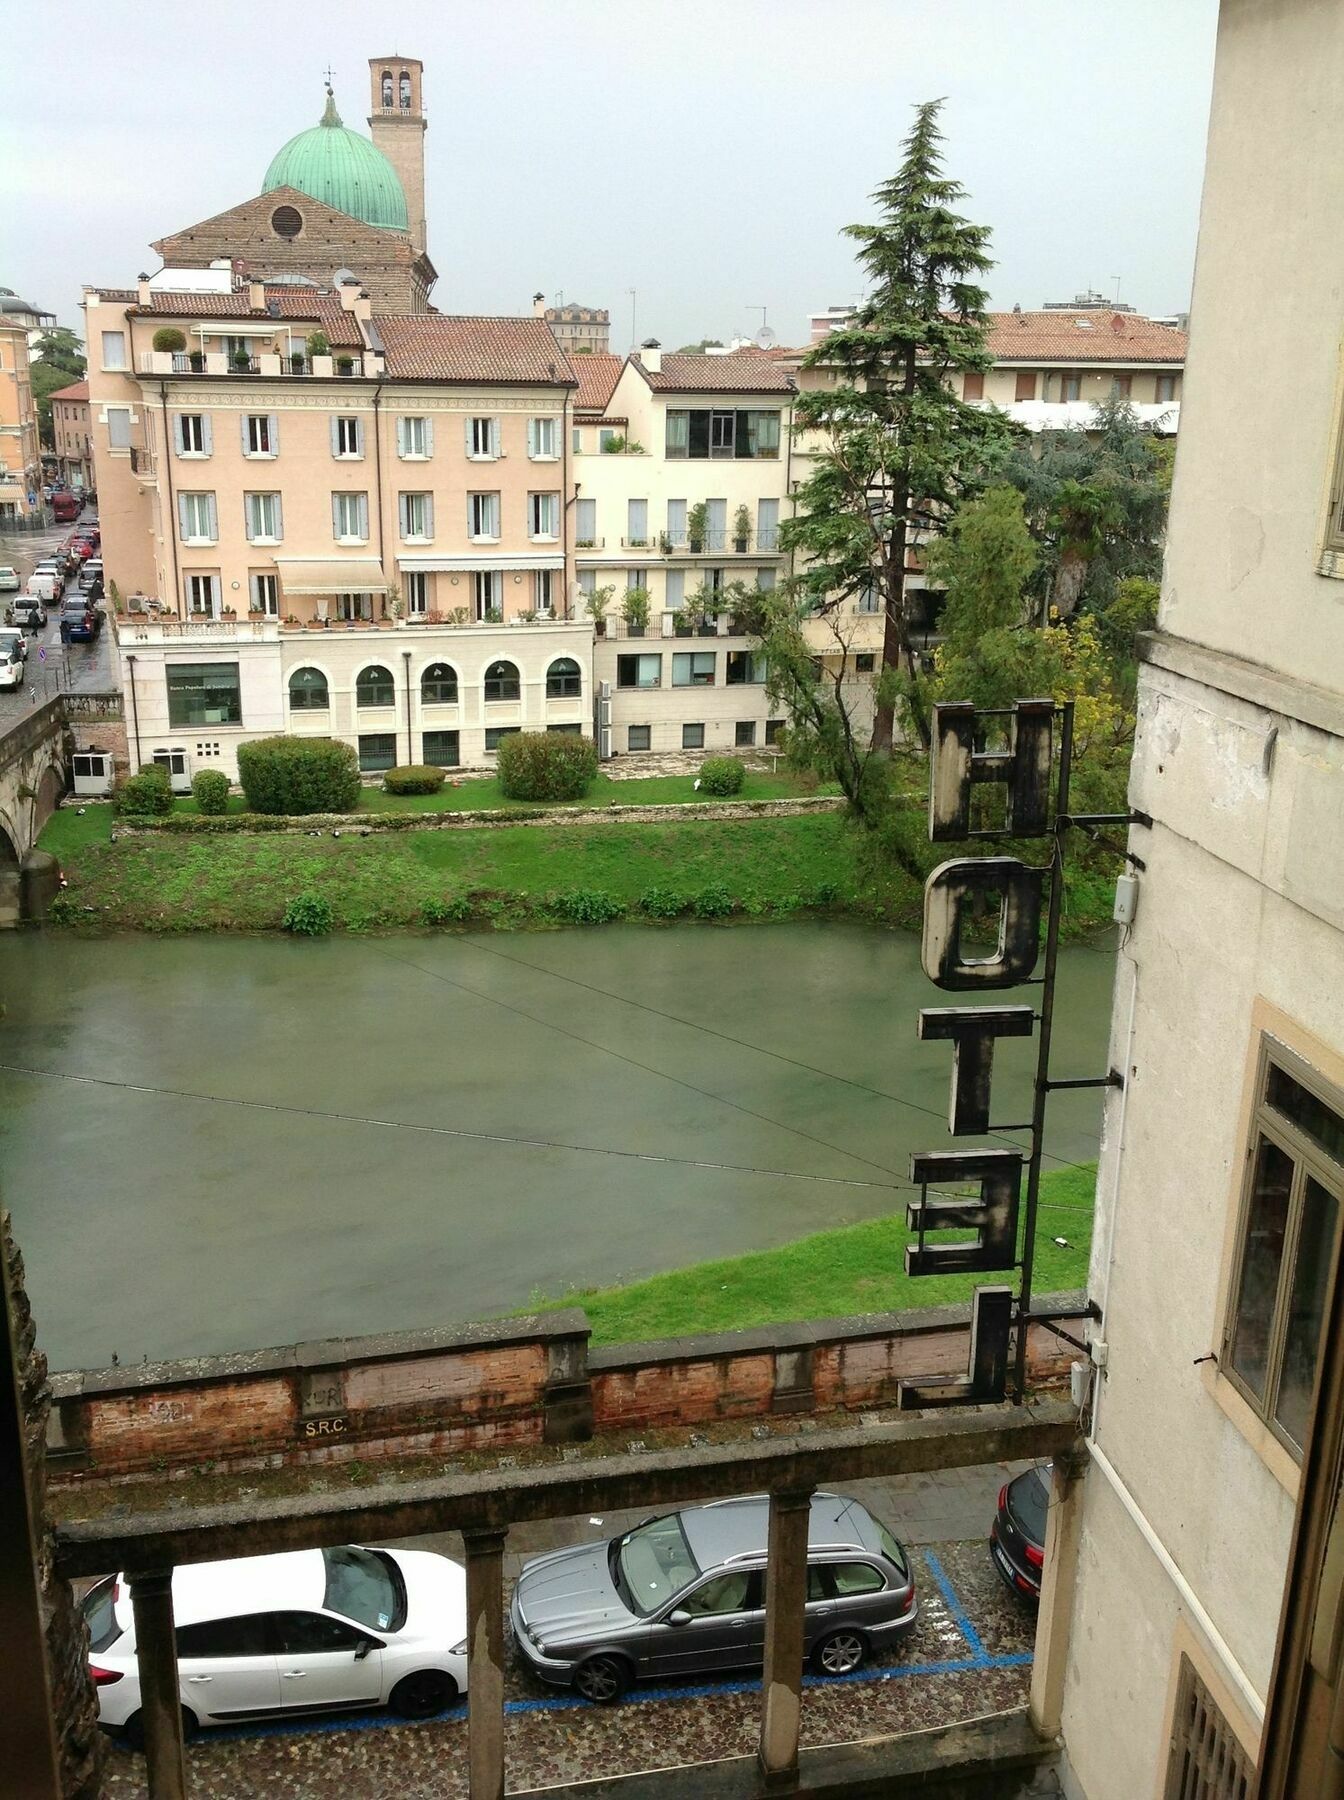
(785, 1598)
(160, 1702)
(485, 1663)
(1058, 1580)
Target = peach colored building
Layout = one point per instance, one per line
(20, 451)
(70, 430)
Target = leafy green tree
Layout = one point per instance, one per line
(698, 349)
(898, 448)
(57, 360)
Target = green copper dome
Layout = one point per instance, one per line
(343, 170)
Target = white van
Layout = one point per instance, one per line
(42, 587)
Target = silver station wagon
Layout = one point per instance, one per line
(684, 1594)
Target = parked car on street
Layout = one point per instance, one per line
(27, 611)
(11, 665)
(49, 566)
(81, 621)
(9, 580)
(1017, 1536)
(12, 635)
(46, 586)
(92, 571)
(65, 507)
(684, 1594)
(306, 1631)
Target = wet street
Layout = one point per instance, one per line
(64, 668)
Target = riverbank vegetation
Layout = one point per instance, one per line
(829, 1275)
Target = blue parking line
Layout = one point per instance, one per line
(957, 1610)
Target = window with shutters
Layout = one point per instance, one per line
(973, 384)
(413, 438)
(264, 593)
(585, 524)
(767, 524)
(1331, 560)
(114, 349)
(544, 584)
(1166, 388)
(197, 517)
(488, 594)
(1207, 1761)
(674, 589)
(417, 517)
(261, 434)
(700, 432)
(416, 584)
(483, 439)
(350, 518)
(543, 515)
(1025, 385)
(1062, 385)
(347, 437)
(261, 515)
(192, 435)
(118, 427)
(483, 517)
(203, 595)
(543, 439)
(637, 523)
(354, 607)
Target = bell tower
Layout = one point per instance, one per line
(397, 126)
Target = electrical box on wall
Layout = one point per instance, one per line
(1126, 900)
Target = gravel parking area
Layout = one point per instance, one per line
(969, 1655)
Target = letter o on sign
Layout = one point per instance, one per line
(1018, 891)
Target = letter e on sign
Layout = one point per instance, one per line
(992, 1217)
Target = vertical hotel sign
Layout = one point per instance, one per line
(997, 1212)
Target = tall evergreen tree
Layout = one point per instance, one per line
(899, 447)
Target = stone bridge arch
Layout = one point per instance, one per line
(11, 879)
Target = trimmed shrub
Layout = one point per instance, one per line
(586, 906)
(298, 775)
(712, 903)
(309, 915)
(168, 337)
(147, 794)
(414, 778)
(210, 790)
(721, 775)
(546, 765)
(662, 903)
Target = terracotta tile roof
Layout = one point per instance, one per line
(598, 374)
(438, 347)
(742, 372)
(78, 390)
(1084, 336)
(303, 304)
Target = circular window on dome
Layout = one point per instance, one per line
(287, 221)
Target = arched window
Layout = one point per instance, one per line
(564, 680)
(387, 88)
(373, 687)
(501, 682)
(405, 91)
(308, 691)
(438, 685)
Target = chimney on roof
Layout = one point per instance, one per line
(538, 306)
(1017, 308)
(1117, 323)
(142, 291)
(651, 355)
(256, 296)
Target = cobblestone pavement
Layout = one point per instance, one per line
(970, 1654)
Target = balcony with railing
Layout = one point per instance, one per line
(339, 365)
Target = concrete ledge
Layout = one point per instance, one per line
(1247, 681)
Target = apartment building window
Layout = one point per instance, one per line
(502, 681)
(566, 730)
(1062, 385)
(347, 437)
(564, 680)
(606, 437)
(674, 589)
(374, 687)
(692, 737)
(1285, 1242)
(114, 349)
(262, 518)
(350, 518)
(703, 432)
(488, 593)
(415, 514)
(483, 517)
(639, 671)
(585, 524)
(203, 694)
(1166, 388)
(676, 523)
(261, 434)
(118, 427)
(543, 590)
(191, 434)
(417, 594)
(543, 439)
(263, 592)
(495, 735)
(483, 439)
(637, 523)
(744, 734)
(377, 750)
(745, 668)
(638, 737)
(576, 440)
(693, 668)
(415, 438)
(438, 685)
(308, 691)
(766, 579)
(354, 608)
(865, 663)
(1025, 386)
(440, 749)
(767, 524)
(1121, 386)
(198, 518)
(973, 384)
(203, 596)
(543, 515)
(773, 727)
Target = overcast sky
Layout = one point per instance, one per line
(705, 153)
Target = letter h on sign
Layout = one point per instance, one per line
(956, 766)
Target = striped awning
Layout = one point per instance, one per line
(331, 575)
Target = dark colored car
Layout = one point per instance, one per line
(81, 621)
(1017, 1536)
(684, 1594)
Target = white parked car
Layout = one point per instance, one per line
(11, 666)
(9, 580)
(308, 1631)
(12, 637)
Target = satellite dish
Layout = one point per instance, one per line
(341, 276)
(764, 338)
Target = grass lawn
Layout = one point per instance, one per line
(834, 1274)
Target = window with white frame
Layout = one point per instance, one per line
(693, 668)
(198, 518)
(354, 607)
(488, 593)
(416, 517)
(483, 439)
(192, 431)
(766, 579)
(350, 518)
(675, 592)
(587, 581)
(203, 595)
(543, 439)
(585, 524)
(261, 516)
(261, 434)
(118, 427)
(637, 522)
(606, 436)
(347, 436)
(114, 349)
(767, 524)
(543, 515)
(263, 590)
(417, 594)
(543, 589)
(576, 441)
(700, 432)
(415, 437)
(483, 517)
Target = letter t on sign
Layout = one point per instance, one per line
(956, 765)
(973, 1030)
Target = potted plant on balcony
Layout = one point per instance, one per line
(241, 360)
(494, 615)
(169, 338)
(318, 344)
(345, 365)
(595, 604)
(635, 611)
(298, 362)
(197, 361)
(696, 521)
(664, 544)
(741, 530)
